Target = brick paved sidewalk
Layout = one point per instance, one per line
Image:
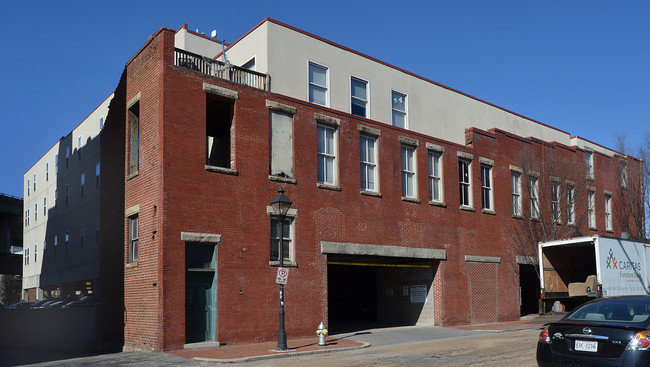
(256, 351)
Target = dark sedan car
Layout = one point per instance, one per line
(603, 332)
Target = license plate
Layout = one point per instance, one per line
(586, 346)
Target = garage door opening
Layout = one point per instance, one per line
(529, 289)
(373, 292)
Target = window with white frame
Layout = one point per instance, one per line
(35, 212)
(368, 159)
(133, 251)
(35, 253)
(26, 256)
(56, 197)
(47, 171)
(408, 172)
(399, 106)
(591, 208)
(358, 97)
(555, 201)
(67, 157)
(326, 149)
(34, 182)
(101, 123)
(570, 204)
(44, 205)
(318, 84)
(29, 186)
(609, 226)
(515, 184)
(26, 217)
(534, 197)
(464, 177)
(589, 163)
(435, 176)
(67, 241)
(486, 187)
(287, 239)
(79, 145)
(623, 173)
(56, 243)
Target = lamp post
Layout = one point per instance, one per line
(280, 206)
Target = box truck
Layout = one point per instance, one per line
(576, 269)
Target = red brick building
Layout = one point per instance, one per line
(199, 161)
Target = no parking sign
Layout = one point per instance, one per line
(283, 274)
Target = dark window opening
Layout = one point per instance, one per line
(134, 138)
(218, 117)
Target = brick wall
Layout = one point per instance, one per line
(175, 194)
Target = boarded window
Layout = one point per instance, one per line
(281, 126)
(219, 116)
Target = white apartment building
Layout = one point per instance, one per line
(61, 214)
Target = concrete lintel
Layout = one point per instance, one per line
(527, 260)
(380, 250)
(482, 259)
(327, 120)
(408, 141)
(129, 212)
(220, 91)
(368, 130)
(435, 147)
(200, 237)
(281, 107)
(464, 155)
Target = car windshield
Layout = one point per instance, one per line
(613, 311)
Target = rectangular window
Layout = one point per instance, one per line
(608, 213)
(515, 183)
(83, 184)
(101, 123)
(589, 164)
(464, 176)
(358, 97)
(26, 255)
(555, 201)
(281, 144)
(67, 241)
(623, 173)
(435, 177)
(534, 197)
(408, 172)
(67, 195)
(44, 206)
(79, 144)
(56, 196)
(591, 209)
(56, 243)
(570, 205)
(318, 84)
(26, 217)
(326, 149)
(67, 157)
(97, 175)
(47, 171)
(34, 182)
(368, 163)
(29, 186)
(218, 123)
(35, 212)
(134, 138)
(35, 253)
(398, 105)
(486, 187)
(287, 242)
(82, 234)
(133, 239)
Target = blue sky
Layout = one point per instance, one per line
(580, 66)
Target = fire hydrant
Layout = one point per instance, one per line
(322, 333)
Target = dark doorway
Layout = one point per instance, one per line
(200, 295)
(529, 289)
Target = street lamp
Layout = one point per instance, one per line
(280, 206)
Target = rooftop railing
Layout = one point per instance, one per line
(219, 69)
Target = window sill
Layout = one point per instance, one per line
(132, 175)
(370, 193)
(225, 170)
(518, 216)
(287, 263)
(282, 179)
(610, 231)
(411, 200)
(467, 208)
(535, 219)
(488, 211)
(593, 228)
(591, 178)
(441, 204)
(326, 186)
(131, 265)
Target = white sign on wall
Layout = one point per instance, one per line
(418, 293)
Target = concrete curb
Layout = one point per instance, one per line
(279, 355)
